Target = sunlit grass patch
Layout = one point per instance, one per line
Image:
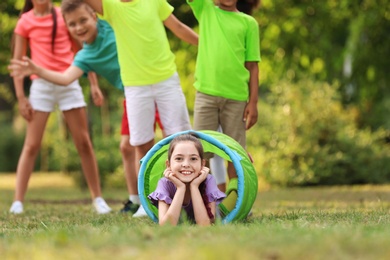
(38, 180)
(346, 222)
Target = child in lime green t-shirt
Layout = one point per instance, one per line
(148, 69)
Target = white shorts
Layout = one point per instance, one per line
(44, 96)
(171, 105)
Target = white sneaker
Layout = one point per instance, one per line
(16, 207)
(101, 206)
(140, 213)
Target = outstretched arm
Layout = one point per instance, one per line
(181, 30)
(25, 67)
(96, 5)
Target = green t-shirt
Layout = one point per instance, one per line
(101, 56)
(144, 53)
(226, 41)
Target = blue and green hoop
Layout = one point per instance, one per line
(153, 165)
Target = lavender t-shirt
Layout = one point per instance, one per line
(166, 190)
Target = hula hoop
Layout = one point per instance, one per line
(153, 165)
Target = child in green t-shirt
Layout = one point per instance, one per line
(226, 76)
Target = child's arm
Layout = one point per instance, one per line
(171, 213)
(25, 67)
(181, 30)
(251, 114)
(200, 212)
(97, 95)
(96, 5)
(25, 107)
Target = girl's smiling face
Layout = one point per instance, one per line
(185, 161)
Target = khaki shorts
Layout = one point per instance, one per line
(210, 112)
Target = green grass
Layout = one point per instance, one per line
(307, 223)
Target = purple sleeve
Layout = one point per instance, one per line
(212, 191)
(165, 191)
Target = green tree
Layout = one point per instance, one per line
(336, 41)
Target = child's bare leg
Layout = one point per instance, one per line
(77, 123)
(141, 151)
(231, 171)
(31, 146)
(129, 164)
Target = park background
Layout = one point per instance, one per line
(324, 97)
(321, 150)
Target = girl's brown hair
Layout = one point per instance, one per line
(68, 6)
(190, 137)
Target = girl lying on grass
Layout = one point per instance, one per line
(186, 185)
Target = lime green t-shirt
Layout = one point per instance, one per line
(226, 41)
(144, 53)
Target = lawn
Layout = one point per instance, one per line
(296, 223)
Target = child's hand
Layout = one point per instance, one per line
(25, 109)
(96, 93)
(250, 115)
(97, 96)
(170, 175)
(21, 68)
(201, 177)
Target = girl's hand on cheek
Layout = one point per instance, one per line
(166, 172)
(170, 175)
(201, 177)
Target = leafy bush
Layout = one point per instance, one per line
(11, 144)
(116, 179)
(107, 155)
(305, 137)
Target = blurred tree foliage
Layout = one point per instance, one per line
(306, 137)
(342, 41)
(326, 62)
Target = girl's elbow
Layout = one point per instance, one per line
(204, 222)
(66, 83)
(167, 221)
(67, 80)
